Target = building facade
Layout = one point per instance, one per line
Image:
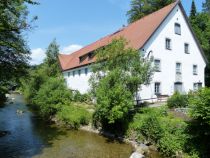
(166, 36)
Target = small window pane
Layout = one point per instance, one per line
(157, 88)
(79, 72)
(168, 43)
(73, 73)
(195, 69)
(186, 48)
(86, 71)
(178, 68)
(69, 73)
(157, 65)
(177, 29)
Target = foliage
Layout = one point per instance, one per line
(14, 52)
(117, 74)
(200, 106)
(51, 61)
(74, 116)
(78, 97)
(177, 100)
(51, 96)
(32, 83)
(157, 126)
(141, 8)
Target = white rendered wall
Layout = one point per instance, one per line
(169, 57)
(78, 82)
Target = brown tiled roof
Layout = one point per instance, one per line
(137, 34)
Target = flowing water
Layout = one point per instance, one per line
(29, 137)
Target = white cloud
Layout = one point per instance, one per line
(37, 56)
(71, 48)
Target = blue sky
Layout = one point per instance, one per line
(76, 23)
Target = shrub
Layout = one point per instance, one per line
(177, 100)
(78, 97)
(200, 106)
(74, 116)
(51, 96)
(151, 128)
(154, 124)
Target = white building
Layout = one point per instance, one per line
(167, 36)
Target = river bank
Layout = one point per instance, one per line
(30, 136)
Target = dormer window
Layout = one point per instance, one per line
(90, 55)
(177, 28)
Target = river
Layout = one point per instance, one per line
(30, 137)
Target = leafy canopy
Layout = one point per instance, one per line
(141, 8)
(118, 73)
(14, 52)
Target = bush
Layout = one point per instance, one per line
(78, 97)
(177, 100)
(74, 116)
(155, 125)
(52, 96)
(200, 106)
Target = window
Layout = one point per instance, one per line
(79, 72)
(157, 65)
(168, 43)
(178, 87)
(186, 48)
(69, 73)
(73, 73)
(178, 68)
(90, 55)
(197, 86)
(177, 28)
(195, 69)
(157, 88)
(86, 71)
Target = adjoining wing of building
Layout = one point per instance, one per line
(178, 58)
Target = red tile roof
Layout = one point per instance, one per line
(137, 34)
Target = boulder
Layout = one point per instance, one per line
(136, 155)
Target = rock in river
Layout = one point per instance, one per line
(136, 155)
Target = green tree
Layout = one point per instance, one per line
(14, 52)
(117, 75)
(206, 6)
(51, 96)
(51, 61)
(141, 8)
(193, 11)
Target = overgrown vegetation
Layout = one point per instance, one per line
(177, 100)
(158, 126)
(117, 74)
(46, 91)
